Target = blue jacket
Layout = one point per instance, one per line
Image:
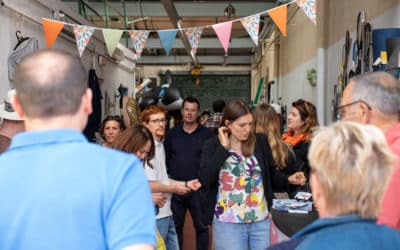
(343, 232)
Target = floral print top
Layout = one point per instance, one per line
(240, 197)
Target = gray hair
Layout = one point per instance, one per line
(380, 90)
(353, 163)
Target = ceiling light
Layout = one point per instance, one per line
(229, 10)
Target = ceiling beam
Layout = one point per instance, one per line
(204, 60)
(177, 24)
(185, 9)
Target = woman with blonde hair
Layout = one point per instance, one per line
(350, 168)
(267, 121)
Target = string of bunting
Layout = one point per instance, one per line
(52, 29)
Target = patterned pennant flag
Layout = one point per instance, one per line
(309, 8)
(193, 35)
(111, 38)
(279, 16)
(167, 38)
(51, 30)
(82, 36)
(223, 31)
(139, 38)
(252, 25)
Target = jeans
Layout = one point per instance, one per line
(192, 201)
(166, 227)
(241, 236)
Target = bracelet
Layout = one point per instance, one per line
(186, 184)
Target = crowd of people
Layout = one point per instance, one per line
(133, 192)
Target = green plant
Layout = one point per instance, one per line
(312, 76)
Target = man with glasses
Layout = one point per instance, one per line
(154, 118)
(374, 98)
(183, 146)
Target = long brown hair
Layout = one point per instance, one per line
(133, 139)
(266, 121)
(308, 114)
(233, 111)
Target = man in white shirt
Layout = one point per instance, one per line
(154, 118)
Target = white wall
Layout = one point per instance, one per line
(11, 22)
(294, 85)
(288, 58)
(390, 19)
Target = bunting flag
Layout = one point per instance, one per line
(223, 31)
(309, 8)
(167, 38)
(194, 35)
(82, 36)
(252, 25)
(111, 38)
(51, 30)
(279, 16)
(139, 38)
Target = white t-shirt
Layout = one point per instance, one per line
(159, 173)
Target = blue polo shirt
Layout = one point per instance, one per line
(58, 191)
(183, 151)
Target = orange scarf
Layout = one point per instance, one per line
(295, 139)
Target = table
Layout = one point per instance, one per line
(291, 223)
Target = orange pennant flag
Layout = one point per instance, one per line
(51, 30)
(279, 16)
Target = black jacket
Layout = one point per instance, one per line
(301, 152)
(94, 120)
(289, 169)
(213, 157)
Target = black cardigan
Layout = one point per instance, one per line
(289, 169)
(213, 157)
(301, 152)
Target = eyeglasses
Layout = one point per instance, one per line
(158, 121)
(340, 112)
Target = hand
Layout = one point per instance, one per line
(159, 199)
(223, 137)
(194, 184)
(181, 189)
(297, 178)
